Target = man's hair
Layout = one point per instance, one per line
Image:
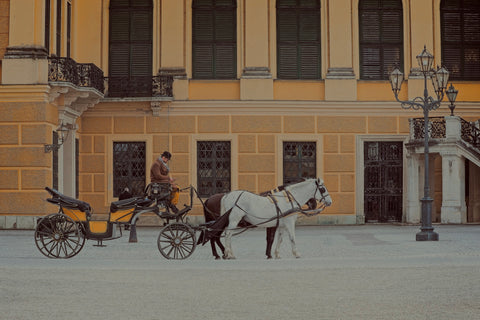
(167, 155)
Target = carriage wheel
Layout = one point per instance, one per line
(58, 236)
(176, 241)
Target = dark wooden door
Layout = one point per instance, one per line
(383, 181)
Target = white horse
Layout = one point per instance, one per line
(280, 209)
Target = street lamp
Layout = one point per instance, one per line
(63, 130)
(439, 78)
(452, 96)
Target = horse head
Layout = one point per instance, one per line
(320, 198)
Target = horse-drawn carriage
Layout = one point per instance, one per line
(63, 234)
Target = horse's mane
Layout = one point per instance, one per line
(282, 187)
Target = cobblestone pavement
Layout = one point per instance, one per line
(346, 272)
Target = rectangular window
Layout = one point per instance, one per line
(214, 39)
(213, 167)
(55, 161)
(381, 38)
(47, 26)
(129, 167)
(77, 169)
(69, 28)
(299, 161)
(59, 28)
(298, 39)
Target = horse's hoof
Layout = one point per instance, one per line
(269, 257)
(217, 258)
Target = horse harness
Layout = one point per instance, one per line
(292, 200)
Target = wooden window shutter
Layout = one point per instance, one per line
(214, 41)
(298, 39)
(381, 38)
(130, 56)
(460, 34)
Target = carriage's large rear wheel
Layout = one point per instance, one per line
(176, 241)
(58, 236)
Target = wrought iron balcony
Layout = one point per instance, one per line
(62, 69)
(140, 86)
(470, 133)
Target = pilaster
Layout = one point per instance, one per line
(340, 82)
(256, 82)
(453, 188)
(412, 209)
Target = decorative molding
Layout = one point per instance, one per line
(256, 73)
(340, 73)
(156, 108)
(26, 52)
(176, 72)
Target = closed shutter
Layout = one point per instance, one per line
(214, 39)
(130, 56)
(381, 38)
(460, 29)
(298, 39)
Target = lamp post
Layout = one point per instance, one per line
(439, 79)
(63, 130)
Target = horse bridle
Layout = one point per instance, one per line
(323, 193)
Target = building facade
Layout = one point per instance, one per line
(246, 94)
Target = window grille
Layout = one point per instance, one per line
(298, 39)
(214, 169)
(77, 169)
(299, 161)
(381, 38)
(55, 161)
(460, 34)
(129, 167)
(214, 39)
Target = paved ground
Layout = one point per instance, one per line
(346, 272)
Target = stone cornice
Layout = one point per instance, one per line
(24, 93)
(330, 108)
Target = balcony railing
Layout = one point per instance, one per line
(140, 86)
(469, 132)
(436, 128)
(62, 69)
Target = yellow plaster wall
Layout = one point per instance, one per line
(298, 90)
(214, 90)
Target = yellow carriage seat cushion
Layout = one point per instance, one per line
(75, 213)
(98, 226)
(122, 210)
(122, 215)
(174, 196)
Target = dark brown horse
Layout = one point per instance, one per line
(211, 212)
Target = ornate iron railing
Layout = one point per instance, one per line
(436, 128)
(62, 69)
(140, 86)
(470, 133)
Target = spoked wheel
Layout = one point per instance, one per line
(176, 241)
(58, 236)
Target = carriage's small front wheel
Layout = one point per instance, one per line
(58, 236)
(176, 241)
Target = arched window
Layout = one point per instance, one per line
(214, 39)
(130, 48)
(298, 39)
(460, 30)
(381, 37)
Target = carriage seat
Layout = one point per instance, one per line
(122, 210)
(78, 210)
(158, 191)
